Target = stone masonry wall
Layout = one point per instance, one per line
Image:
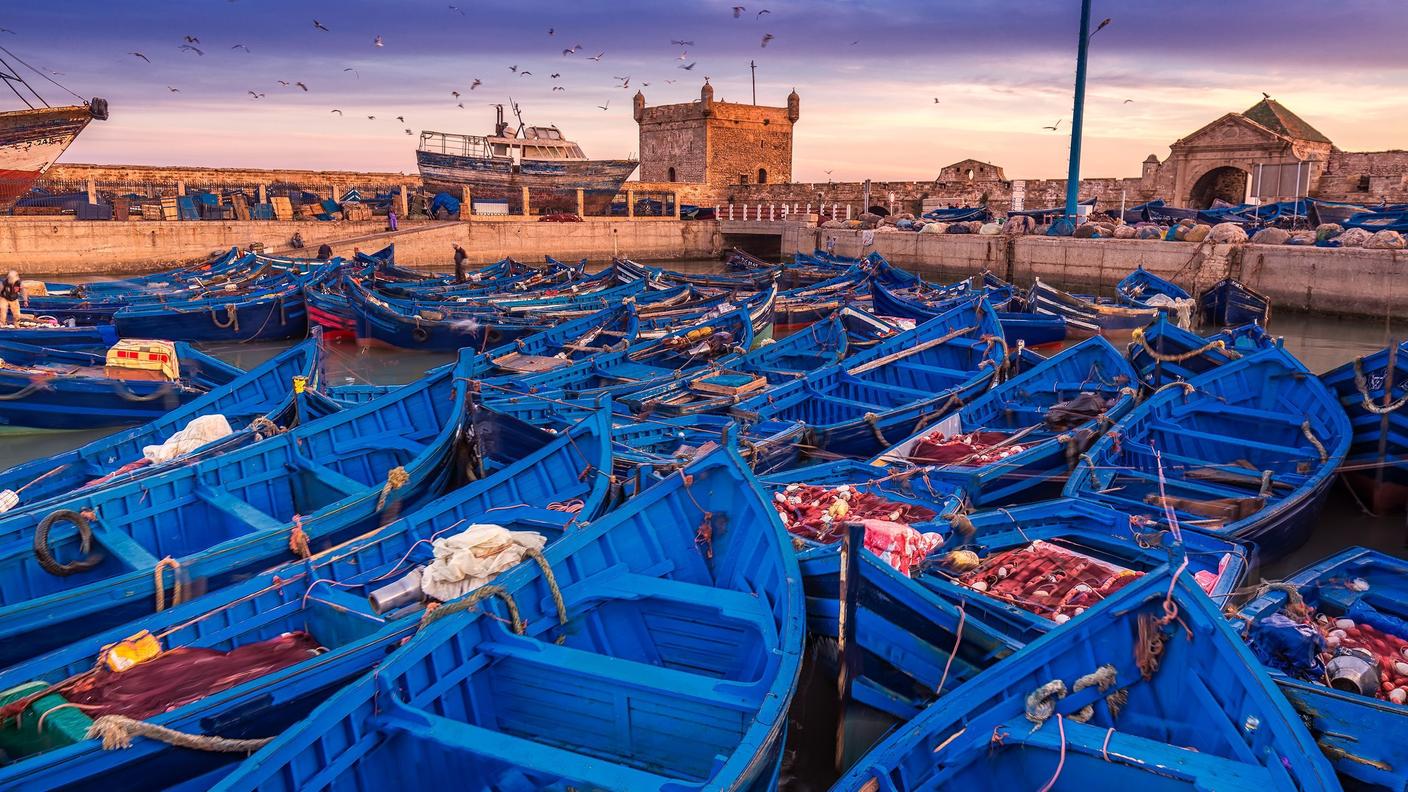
(195, 176)
(744, 139)
(1343, 178)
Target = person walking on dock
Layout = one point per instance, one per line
(11, 296)
(460, 257)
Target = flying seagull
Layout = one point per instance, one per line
(335, 110)
(555, 75)
(377, 42)
(189, 48)
(140, 55)
(7, 30)
(371, 118)
(679, 43)
(408, 131)
(558, 88)
(764, 11)
(738, 11)
(567, 52)
(255, 95)
(455, 94)
(1264, 94)
(597, 57)
(402, 119)
(355, 73)
(477, 82)
(192, 40)
(688, 67)
(456, 9)
(284, 83)
(1127, 101)
(1054, 126)
(766, 38)
(173, 90)
(524, 73)
(320, 26)
(513, 68)
(608, 104)
(551, 31)
(936, 100)
(301, 85)
(240, 46)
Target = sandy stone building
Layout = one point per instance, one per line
(716, 143)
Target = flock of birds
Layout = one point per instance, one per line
(192, 45)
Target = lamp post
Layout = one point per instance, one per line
(1078, 112)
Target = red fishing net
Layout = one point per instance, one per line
(821, 514)
(1390, 650)
(182, 675)
(1047, 580)
(975, 448)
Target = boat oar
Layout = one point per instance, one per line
(903, 353)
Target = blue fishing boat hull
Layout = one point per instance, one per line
(694, 697)
(270, 316)
(265, 390)
(1230, 303)
(43, 388)
(325, 597)
(1248, 449)
(1092, 706)
(1359, 734)
(1373, 390)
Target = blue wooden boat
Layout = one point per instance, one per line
(1025, 434)
(266, 314)
(1143, 289)
(43, 388)
(892, 389)
(96, 558)
(264, 391)
(716, 341)
(1123, 696)
(1163, 352)
(60, 336)
(1032, 329)
(1373, 389)
(1087, 315)
(1246, 452)
(716, 389)
(1064, 544)
(1361, 734)
(752, 280)
(1229, 303)
(339, 602)
(693, 695)
(431, 329)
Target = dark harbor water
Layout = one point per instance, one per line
(1321, 342)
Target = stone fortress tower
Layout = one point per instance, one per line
(715, 143)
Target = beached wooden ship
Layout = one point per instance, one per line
(497, 167)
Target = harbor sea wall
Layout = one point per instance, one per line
(1346, 281)
(63, 246)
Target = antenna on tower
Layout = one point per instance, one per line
(753, 66)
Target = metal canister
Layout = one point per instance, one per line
(405, 591)
(1354, 671)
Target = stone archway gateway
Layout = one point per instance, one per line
(1226, 183)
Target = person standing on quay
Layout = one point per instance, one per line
(460, 257)
(12, 294)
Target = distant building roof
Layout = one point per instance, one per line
(1270, 114)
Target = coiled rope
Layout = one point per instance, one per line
(1161, 357)
(468, 603)
(178, 589)
(232, 318)
(1362, 385)
(396, 478)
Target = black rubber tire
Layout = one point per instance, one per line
(420, 335)
(46, 558)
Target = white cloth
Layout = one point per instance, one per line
(473, 557)
(197, 433)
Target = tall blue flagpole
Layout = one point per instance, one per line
(1078, 113)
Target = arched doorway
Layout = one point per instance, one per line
(879, 210)
(1226, 183)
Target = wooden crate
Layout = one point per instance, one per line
(283, 207)
(169, 209)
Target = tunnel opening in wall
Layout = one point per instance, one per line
(1226, 183)
(765, 246)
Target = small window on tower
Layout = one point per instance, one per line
(762, 176)
(670, 175)
(1364, 183)
(742, 178)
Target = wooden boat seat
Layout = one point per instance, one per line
(457, 736)
(1237, 411)
(619, 584)
(1285, 453)
(938, 371)
(629, 370)
(327, 476)
(605, 673)
(237, 509)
